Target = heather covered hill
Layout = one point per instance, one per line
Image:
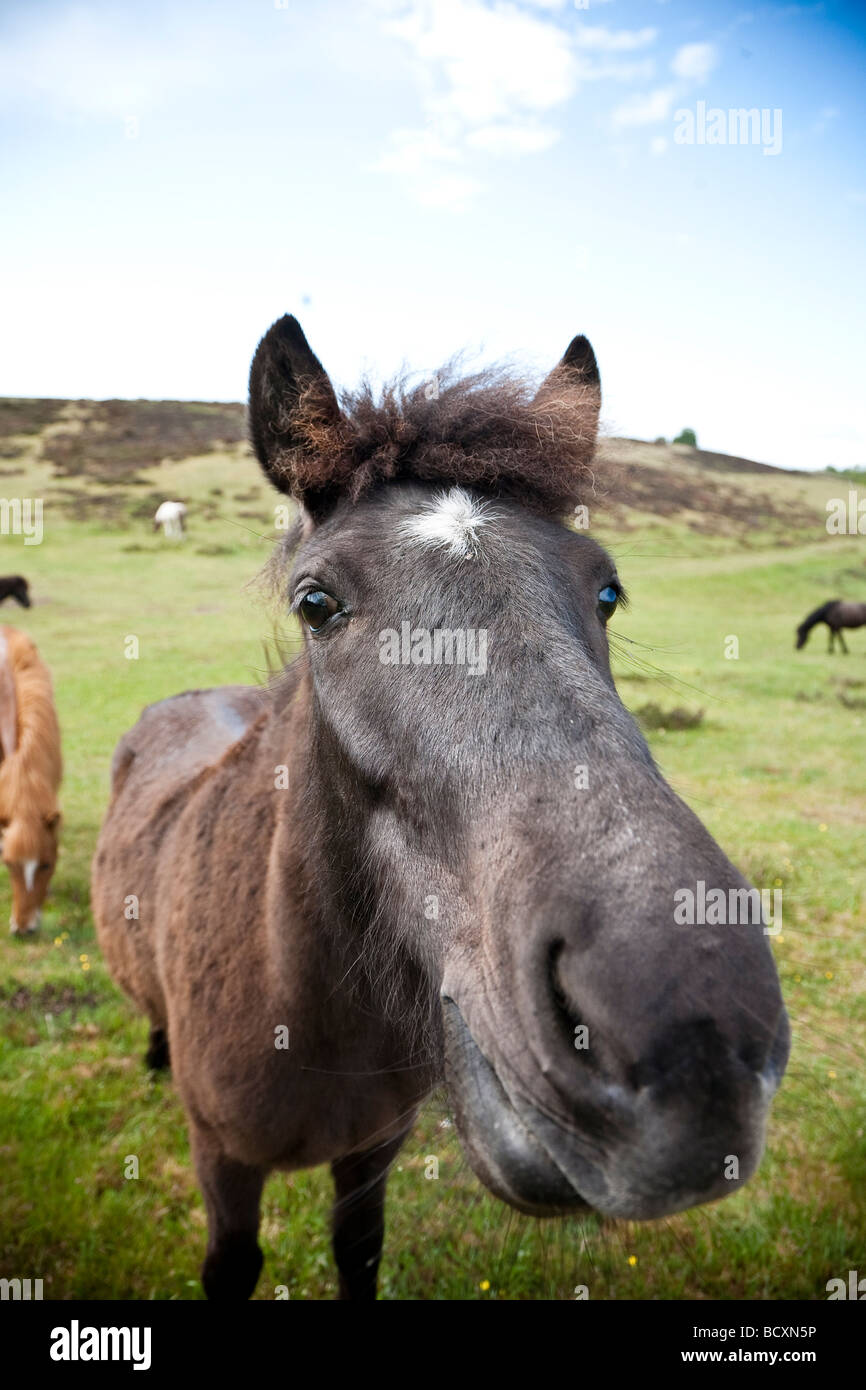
(111, 440)
(124, 446)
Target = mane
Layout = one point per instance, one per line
(30, 777)
(490, 430)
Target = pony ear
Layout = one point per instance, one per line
(579, 360)
(285, 376)
(577, 366)
(576, 373)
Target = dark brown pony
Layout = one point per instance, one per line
(437, 846)
(30, 772)
(837, 613)
(15, 586)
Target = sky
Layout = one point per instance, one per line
(418, 178)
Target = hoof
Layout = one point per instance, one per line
(156, 1057)
(231, 1272)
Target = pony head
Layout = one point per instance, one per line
(29, 849)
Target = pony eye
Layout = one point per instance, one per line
(608, 599)
(316, 608)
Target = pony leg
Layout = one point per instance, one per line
(157, 1056)
(358, 1218)
(843, 642)
(831, 648)
(232, 1192)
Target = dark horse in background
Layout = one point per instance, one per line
(387, 868)
(15, 586)
(836, 613)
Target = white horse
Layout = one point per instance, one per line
(171, 516)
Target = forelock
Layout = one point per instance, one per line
(491, 431)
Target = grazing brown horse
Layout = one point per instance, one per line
(15, 586)
(836, 613)
(437, 845)
(30, 772)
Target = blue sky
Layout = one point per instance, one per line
(414, 178)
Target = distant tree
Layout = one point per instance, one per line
(661, 440)
(687, 437)
(857, 474)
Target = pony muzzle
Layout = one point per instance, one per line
(32, 925)
(635, 1151)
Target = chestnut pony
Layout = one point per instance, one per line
(30, 772)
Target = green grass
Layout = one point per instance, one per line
(774, 768)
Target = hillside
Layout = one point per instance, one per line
(111, 440)
(113, 461)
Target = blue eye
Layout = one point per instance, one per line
(608, 599)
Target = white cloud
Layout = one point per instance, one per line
(485, 62)
(594, 70)
(695, 61)
(440, 190)
(691, 62)
(613, 40)
(414, 151)
(647, 109)
(486, 72)
(75, 63)
(560, 4)
(513, 138)
(492, 73)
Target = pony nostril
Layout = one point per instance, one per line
(753, 1054)
(570, 1022)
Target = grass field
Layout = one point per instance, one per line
(774, 767)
